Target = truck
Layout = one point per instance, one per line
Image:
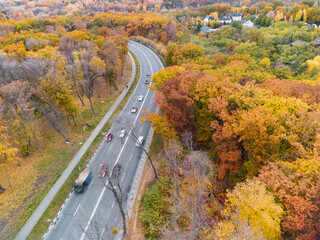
(82, 181)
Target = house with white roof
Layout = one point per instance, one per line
(206, 19)
(247, 23)
(234, 16)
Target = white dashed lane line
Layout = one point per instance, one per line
(76, 210)
(130, 157)
(91, 182)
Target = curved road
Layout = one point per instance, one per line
(93, 213)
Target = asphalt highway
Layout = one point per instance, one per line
(94, 213)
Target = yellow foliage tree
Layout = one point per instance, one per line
(79, 35)
(162, 125)
(314, 63)
(159, 78)
(256, 206)
(304, 15)
(8, 152)
(298, 15)
(279, 16)
(290, 19)
(265, 63)
(16, 51)
(215, 15)
(55, 84)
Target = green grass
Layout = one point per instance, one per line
(156, 145)
(55, 205)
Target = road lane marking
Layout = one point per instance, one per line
(130, 157)
(123, 176)
(103, 231)
(94, 211)
(111, 145)
(113, 203)
(76, 210)
(91, 182)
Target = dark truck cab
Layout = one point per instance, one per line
(82, 181)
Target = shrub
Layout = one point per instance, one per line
(156, 207)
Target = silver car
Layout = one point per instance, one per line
(122, 133)
(139, 141)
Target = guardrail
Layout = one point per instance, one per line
(156, 52)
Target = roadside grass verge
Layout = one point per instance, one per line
(156, 145)
(64, 153)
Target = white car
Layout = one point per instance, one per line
(139, 141)
(140, 98)
(122, 133)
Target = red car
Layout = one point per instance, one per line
(109, 137)
(103, 170)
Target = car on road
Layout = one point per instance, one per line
(103, 170)
(109, 137)
(139, 141)
(82, 181)
(146, 81)
(116, 170)
(140, 98)
(134, 109)
(122, 133)
(148, 74)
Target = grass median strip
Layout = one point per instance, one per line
(42, 225)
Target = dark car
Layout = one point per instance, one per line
(103, 170)
(148, 74)
(146, 81)
(109, 137)
(116, 171)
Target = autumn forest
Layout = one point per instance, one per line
(239, 110)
